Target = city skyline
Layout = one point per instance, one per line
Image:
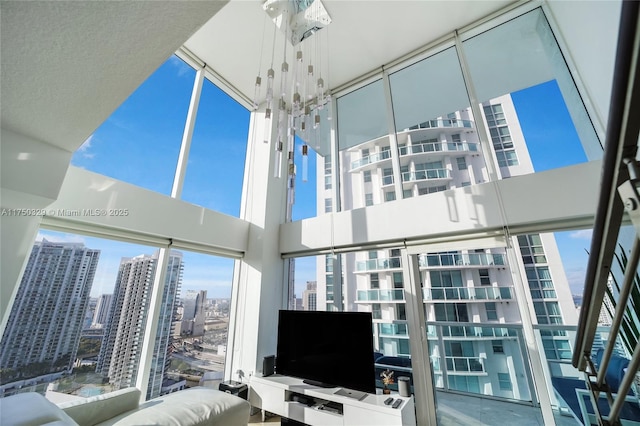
(43, 331)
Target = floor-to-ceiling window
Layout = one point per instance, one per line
(491, 103)
(140, 142)
(95, 294)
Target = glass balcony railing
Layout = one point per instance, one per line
(460, 259)
(378, 264)
(394, 330)
(426, 147)
(379, 295)
(448, 122)
(471, 332)
(467, 293)
(463, 364)
(370, 159)
(426, 175)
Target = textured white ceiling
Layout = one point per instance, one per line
(66, 65)
(362, 36)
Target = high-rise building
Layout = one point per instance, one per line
(309, 296)
(122, 344)
(466, 285)
(43, 331)
(193, 312)
(101, 313)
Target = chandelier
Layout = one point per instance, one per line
(297, 101)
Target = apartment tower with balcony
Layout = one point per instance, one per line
(468, 291)
(43, 331)
(121, 350)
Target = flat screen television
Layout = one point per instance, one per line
(330, 349)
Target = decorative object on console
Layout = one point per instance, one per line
(404, 386)
(387, 380)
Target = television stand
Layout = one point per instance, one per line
(293, 399)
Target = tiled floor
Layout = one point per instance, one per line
(463, 410)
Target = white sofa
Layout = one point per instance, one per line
(190, 407)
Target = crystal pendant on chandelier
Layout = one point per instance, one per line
(300, 94)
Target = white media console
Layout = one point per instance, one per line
(291, 398)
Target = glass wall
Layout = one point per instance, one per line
(215, 170)
(530, 106)
(71, 289)
(140, 142)
(365, 167)
(530, 117)
(201, 325)
(474, 323)
(486, 104)
(93, 295)
(438, 144)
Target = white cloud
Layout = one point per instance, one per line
(179, 63)
(84, 148)
(575, 278)
(584, 234)
(86, 144)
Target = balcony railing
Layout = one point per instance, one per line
(426, 147)
(448, 122)
(467, 293)
(459, 259)
(426, 175)
(386, 329)
(370, 159)
(378, 264)
(618, 191)
(464, 364)
(471, 332)
(379, 295)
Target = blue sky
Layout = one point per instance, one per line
(553, 142)
(140, 142)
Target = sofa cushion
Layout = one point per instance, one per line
(193, 407)
(31, 409)
(97, 409)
